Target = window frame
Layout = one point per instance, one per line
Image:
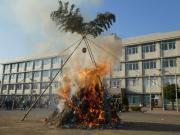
(37, 63)
(149, 64)
(35, 74)
(46, 61)
(132, 81)
(46, 75)
(149, 47)
(133, 65)
(132, 50)
(26, 86)
(169, 62)
(168, 45)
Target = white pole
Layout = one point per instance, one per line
(150, 107)
(176, 87)
(162, 84)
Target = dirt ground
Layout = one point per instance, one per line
(134, 124)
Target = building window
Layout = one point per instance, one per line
(14, 66)
(37, 74)
(150, 64)
(11, 87)
(55, 85)
(29, 64)
(5, 87)
(21, 65)
(46, 73)
(20, 77)
(18, 86)
(169, 62)
(132, 50)
(149, 48)
(7, 68)
(26, 86)
(134, 99)
(168, 45)
(153, 82)
(146, 82)
(56, 60)
(132, 66)
(29, 76)
(13, 77)
(116, 83)
(132, 81)
(46, 61)
(6, 77)
(38, 63)
(169, 80)
(44, 85)
(117, 67)
(35, 86)
(54, 72)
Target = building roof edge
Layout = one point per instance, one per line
(151, 38)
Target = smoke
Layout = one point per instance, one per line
(105, 49)
(82, 71)
(106, 52)
(33, 17)
(44, 38)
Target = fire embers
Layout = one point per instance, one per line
(90, 105)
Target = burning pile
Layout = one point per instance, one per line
(89, 106)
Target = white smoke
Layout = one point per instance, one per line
(33, 16)
(61, 105)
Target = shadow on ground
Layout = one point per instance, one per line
(143, 126)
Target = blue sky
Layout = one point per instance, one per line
(24, 25)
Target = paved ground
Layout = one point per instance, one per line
(134, 124)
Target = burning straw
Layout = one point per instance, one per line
(87, 107)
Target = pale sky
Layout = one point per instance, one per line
(26, 28)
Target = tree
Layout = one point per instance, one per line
(125, 101)
(71, 20)
(170, 93)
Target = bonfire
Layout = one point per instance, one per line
(89, 107)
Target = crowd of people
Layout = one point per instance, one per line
(22, 103)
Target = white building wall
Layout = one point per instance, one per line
(24, 69)
(124, 73)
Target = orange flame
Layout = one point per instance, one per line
(65, 91)
(90, 93)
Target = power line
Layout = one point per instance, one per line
(51, 81)
(30, 75)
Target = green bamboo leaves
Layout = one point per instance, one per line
(71, 20)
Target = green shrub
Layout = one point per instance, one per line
(135, 108)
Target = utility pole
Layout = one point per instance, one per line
(162, 83)
(150, 104)
(176, 87)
